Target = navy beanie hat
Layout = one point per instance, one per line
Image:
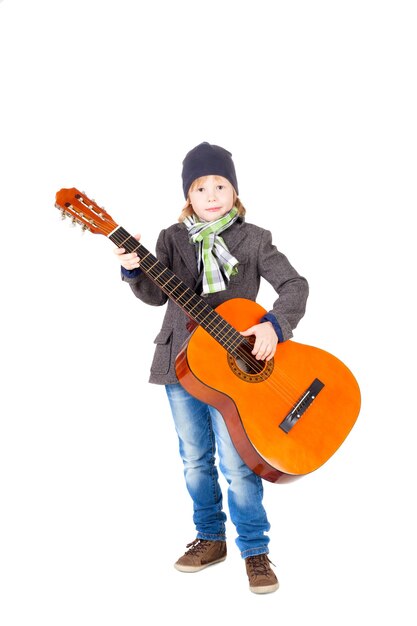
(207, 160)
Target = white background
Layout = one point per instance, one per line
(317, 102)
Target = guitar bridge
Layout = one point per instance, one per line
(301, 406)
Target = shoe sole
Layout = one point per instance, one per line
(196, 568)
(265, 588)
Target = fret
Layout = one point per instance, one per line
(177, 287)
(122, 243)
(204, 320)
(153, 265)
(168, 281)
(235, 341)
(187, 302)
(163, 272)
(142, 259)
(193, 307)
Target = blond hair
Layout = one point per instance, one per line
(187, 210)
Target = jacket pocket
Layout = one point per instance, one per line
(162, 355)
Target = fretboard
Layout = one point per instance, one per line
(194, 305)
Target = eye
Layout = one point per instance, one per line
(200, 189)
(220, 187)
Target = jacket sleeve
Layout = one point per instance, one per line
(144, 287)
(292, 289)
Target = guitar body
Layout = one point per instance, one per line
(255, 407)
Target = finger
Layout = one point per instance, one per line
(264, 352)
(271, 352)
(247, 332)
(133, 261)
(258, 349)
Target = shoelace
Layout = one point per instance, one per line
(196, 546)
(259, 565)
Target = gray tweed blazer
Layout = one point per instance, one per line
(258, 258)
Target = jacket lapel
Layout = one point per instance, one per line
(232, 236)
(185, 249)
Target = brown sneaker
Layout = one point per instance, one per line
(201, 554)
(261, 577)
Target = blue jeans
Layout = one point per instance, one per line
(201, 431)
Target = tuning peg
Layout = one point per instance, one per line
(63, 214)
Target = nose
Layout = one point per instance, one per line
(212, 195)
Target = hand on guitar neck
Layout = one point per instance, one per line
(128, 260)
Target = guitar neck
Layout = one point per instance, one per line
(193, 305)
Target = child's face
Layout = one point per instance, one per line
(212, 199)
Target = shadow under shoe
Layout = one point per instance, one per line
(200, 554)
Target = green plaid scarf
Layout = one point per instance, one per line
(212, 252)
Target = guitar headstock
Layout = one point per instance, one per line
(85, 212)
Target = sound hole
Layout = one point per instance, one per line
(244, 365)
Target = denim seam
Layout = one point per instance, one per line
(210, 537)
(254, 551)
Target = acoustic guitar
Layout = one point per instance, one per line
(286, 416)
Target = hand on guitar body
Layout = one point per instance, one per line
(128, 260)
(266, 340)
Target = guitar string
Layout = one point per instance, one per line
(250, 361)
